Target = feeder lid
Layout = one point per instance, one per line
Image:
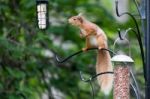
(122, 58)
(41, 1)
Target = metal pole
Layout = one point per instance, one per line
(147, 49)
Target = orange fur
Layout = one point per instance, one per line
(95, 37)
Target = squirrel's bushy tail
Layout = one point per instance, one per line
(103, 65)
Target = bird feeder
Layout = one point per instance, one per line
(42, 13)
(122, 65)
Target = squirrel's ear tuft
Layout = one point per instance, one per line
(80, 14)
(80, 19)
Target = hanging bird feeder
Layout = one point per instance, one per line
(42, 13)
(122, 64)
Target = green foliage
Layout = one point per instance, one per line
(27, 65)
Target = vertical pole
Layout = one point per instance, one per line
(121, 82)
(147, 49)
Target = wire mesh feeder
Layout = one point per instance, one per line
(121, 77)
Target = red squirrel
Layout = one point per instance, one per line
(96, 38)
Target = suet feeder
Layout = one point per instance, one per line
(42, 13)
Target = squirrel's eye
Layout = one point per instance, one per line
(74, 19)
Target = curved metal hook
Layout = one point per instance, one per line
(119, 34)
(140, 43)
(138, 35)
(127, 30)
(95, 76)
(136, 4)
(67, 58)
(76, 53)
(117, 11)
(131, 29)
(122, 37)
(136, 90)
(91, 79)
(133, 18)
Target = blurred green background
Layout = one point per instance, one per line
(27, 63)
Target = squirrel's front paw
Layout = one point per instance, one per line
(84, 49)
(86, 35)
(100, 48)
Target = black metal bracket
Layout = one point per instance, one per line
(81, 76)
(76, 53)
(119, 34)
(138, 35)
(89, 80)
